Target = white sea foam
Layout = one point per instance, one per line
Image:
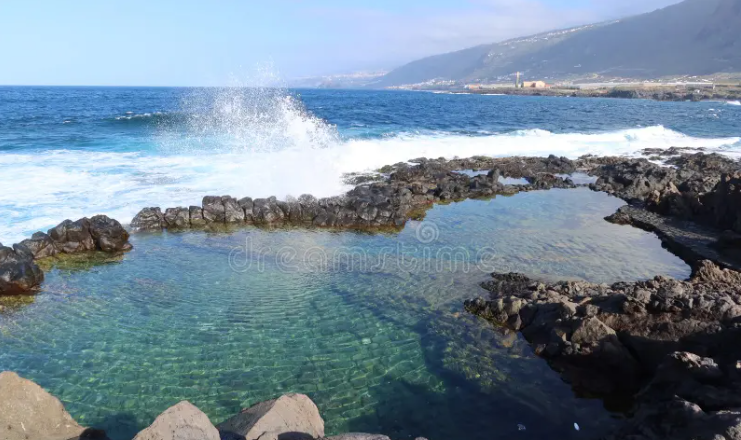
(249, 147)
(736, 103)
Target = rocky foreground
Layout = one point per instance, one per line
(28, 412)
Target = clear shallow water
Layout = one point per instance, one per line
(380, 342)
(69, 152)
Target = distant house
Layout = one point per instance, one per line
(534, 85)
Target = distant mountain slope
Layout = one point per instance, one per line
(695, 37)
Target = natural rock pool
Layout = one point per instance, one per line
(370, 326)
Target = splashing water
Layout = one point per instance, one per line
(172, 147)
(245, 120)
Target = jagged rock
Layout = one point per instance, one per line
(108, 234)
(195, 213)
(177, 218)
(28, 412)
(40, 245)
(180, 422)
(247, 204)
(267, 211)
(18, 272)
(223, 209)
(148, 219)
(291, 416)
(73, 237)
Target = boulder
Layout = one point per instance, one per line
(28, 412)
(108, 234)
(18, 272)
(148, 219)
(291, 417)
(177, 218)
(73, 237)
(40, 245)
(196, 216)
(180, 422)
(223, 209)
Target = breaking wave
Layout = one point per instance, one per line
(259, 143)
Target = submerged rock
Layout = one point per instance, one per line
(28, 412)
(180, 422)
(289, 417)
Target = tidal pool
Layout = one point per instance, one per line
(370, 326)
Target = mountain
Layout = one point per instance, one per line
(695, 37)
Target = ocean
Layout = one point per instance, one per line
(69, 152)
(371, 326)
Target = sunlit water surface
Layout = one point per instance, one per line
(371, 327)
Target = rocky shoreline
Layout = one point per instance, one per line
(28, 412)
(666, 347)
(19, 271)
(656, 94)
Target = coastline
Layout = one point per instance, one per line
(656, 94)
(688, 208)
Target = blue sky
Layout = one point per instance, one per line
(189, 42)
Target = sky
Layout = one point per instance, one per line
(200, 43)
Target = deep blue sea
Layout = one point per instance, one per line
(370, 326)
(77, 151)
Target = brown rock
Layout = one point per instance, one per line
(28, 412)
(180, 422)
(291, 417)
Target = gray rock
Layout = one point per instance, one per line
(180, 422)
(177, 218)
(148, 219)
(18, 272)
(40, 245)
(291, 417)
(195, 213)
(73, 237)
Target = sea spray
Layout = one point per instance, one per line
(262, 142)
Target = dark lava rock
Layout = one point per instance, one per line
(611, 340)
(177, 218)
(108, 234)
(195, 214)
(633, 180)
(40, 245)
(18, 272)
(148, 219)
(223, 209)
(73, 237)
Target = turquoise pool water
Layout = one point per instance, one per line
(370, 326)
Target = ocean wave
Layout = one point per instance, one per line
(70, 184)
(734, 103)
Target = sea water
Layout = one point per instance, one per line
(370, 326)
(70, 152)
